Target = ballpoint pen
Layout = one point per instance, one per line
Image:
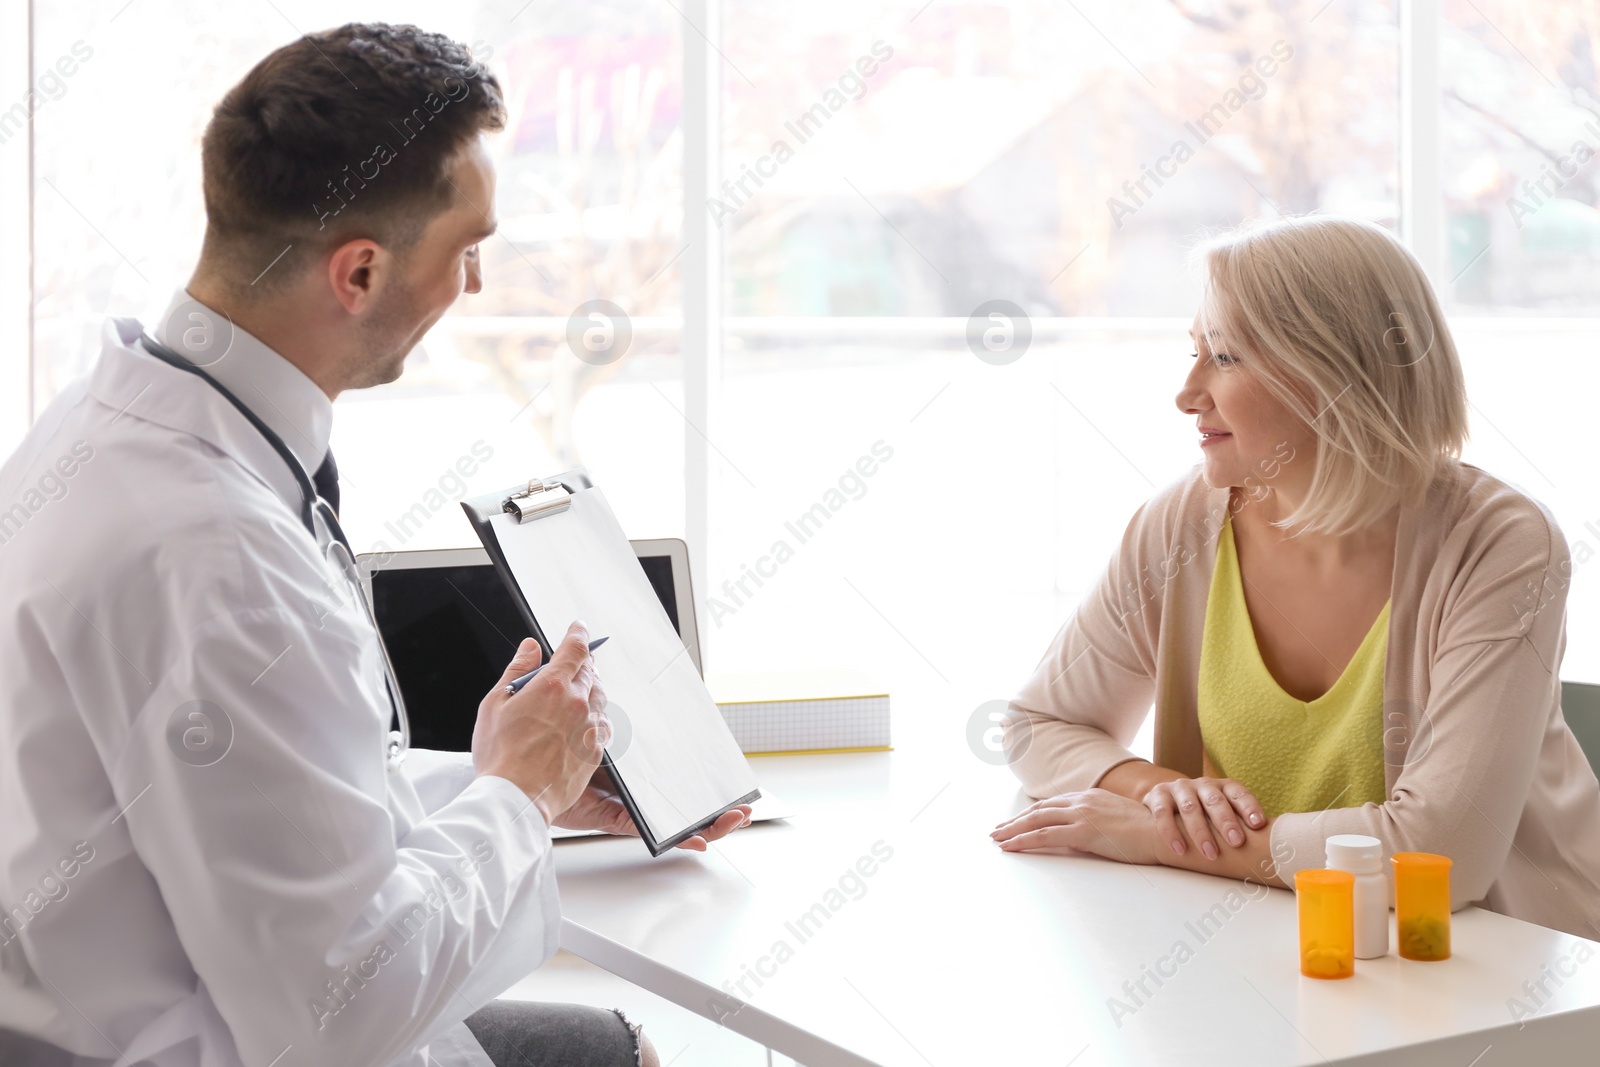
(513, 686)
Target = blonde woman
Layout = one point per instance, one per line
(1342, 628)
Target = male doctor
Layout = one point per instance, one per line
(212, 853)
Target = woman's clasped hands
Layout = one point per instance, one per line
(1173, 816)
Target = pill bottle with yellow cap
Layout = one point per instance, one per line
(1327, 922)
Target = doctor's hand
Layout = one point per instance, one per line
(546, 739)
(600, 808)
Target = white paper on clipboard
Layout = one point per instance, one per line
(671, 747)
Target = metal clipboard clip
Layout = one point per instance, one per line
(539, 499)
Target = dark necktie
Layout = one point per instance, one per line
(327, 482)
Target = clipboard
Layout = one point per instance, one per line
(563, 556)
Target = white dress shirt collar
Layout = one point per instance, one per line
(275, 390)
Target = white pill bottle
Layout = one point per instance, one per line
(1362, 856)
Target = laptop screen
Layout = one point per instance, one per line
(450, 631)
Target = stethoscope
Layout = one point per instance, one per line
(312, 507)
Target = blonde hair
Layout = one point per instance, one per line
(1345, 331)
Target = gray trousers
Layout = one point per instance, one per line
(515, 1033)
(525, 1033)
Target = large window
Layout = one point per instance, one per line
(890, 174)
(885, 174)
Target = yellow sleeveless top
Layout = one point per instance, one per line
(1292, 754)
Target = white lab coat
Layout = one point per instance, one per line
(256, 885)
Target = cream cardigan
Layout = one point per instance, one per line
(1479, 763)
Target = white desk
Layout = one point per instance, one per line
(953, 952)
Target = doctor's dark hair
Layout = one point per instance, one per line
(342, 134)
